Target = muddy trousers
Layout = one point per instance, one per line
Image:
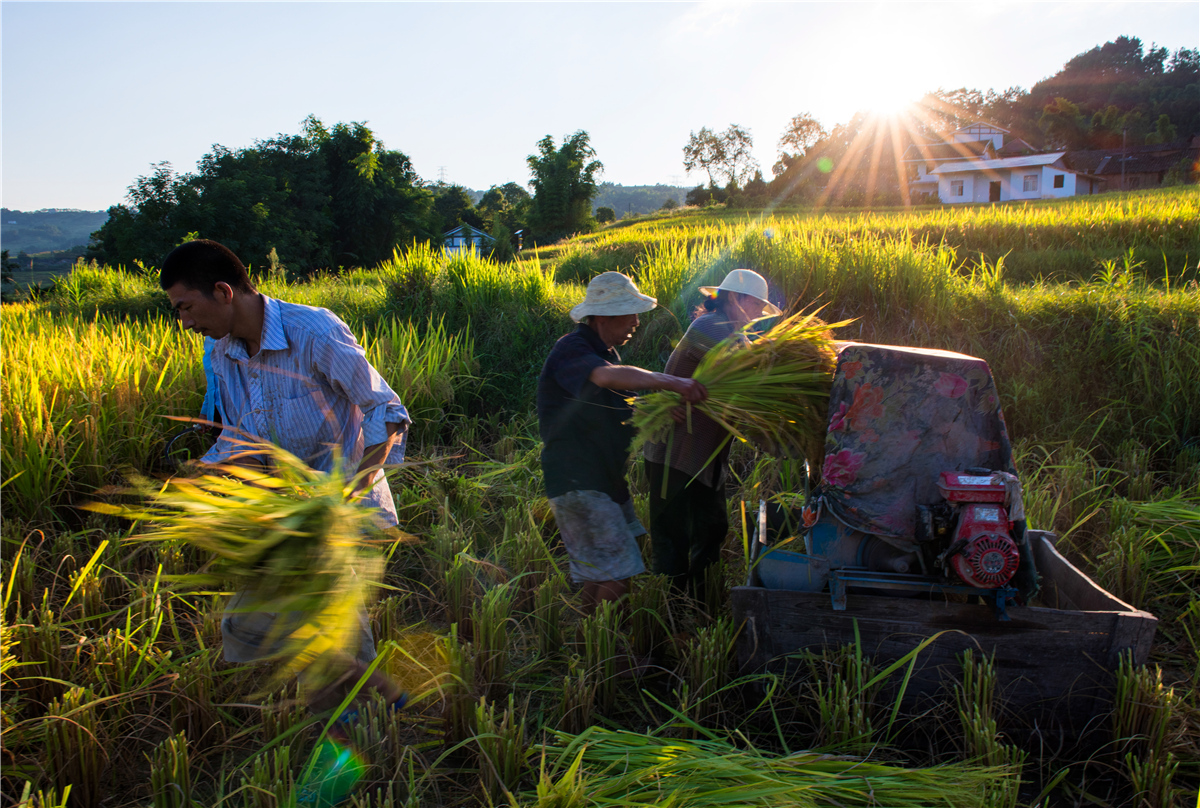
(687, 527)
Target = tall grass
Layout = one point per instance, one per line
(84, 400)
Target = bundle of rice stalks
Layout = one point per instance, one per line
(602, 767)
(772, 391)
(292, 541)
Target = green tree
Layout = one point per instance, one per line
(326, 197)
(802, 132)
(1063, 124)
(453, 207)
(704, 150)
(506, 205)
(605, 215)
(564, 184)
(727, 155)
(1164, 131)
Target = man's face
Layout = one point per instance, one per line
(616, 330)
(207, 316)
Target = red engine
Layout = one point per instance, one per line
(982, 551)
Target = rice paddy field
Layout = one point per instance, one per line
(115, 692)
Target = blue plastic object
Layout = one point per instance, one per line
(797, 572)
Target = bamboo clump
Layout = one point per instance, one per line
(772, 391)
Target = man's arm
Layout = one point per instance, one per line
(628, 377)
(376, 455)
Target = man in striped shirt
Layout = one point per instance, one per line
(293, 376)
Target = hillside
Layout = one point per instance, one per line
(53, 229)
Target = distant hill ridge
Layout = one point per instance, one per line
(48, 229)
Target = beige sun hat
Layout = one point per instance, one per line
(746, 282)
(612, 294)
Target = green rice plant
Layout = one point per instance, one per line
(524, 552)
(716, 589)
(193, 711)
(284, 714)
(627, 768)
(1123, 566)
(706, 671)
(650, 615)
(1151, 780)
(500, 748)
(75, 751)
(39, 638)
(772, 391)
(975, 696)
(171, 773)
(578, 702)
(387, 616)
(380, 729)
(271, 782)
(1063, 487)
(10, 707)
(379, 798)
(601, 635)
(1144, 709)
(90, 598)
(458, 688)
(842, 686)
(433, 366)
(462, 590)
(491, 617)
(548, 601)
(44, 799)
(446, 541)
(19, 577)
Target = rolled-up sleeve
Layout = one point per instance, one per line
(339, 358)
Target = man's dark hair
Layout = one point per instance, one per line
(201, 265)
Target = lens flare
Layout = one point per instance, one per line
(336, 770)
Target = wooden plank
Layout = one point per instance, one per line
(1079, 591)
(1053, 665)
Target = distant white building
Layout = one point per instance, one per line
(982, 163)
(1032, 176)
(465, 237)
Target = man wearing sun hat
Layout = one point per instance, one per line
(690, 522)
(582, 415)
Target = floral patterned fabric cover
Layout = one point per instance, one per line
(898, 417)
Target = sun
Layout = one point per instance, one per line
(883, 96)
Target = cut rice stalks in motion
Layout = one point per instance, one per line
(293, 542)
(772, 390)
(612, 768)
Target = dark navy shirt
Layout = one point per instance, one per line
(584, 434)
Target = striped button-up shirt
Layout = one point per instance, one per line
(309, 388)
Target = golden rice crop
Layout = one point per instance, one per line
(772, 390)
(293, 540)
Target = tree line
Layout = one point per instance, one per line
(332, 197)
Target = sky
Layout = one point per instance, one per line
(96, 93)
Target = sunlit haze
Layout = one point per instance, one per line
(95, 93)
